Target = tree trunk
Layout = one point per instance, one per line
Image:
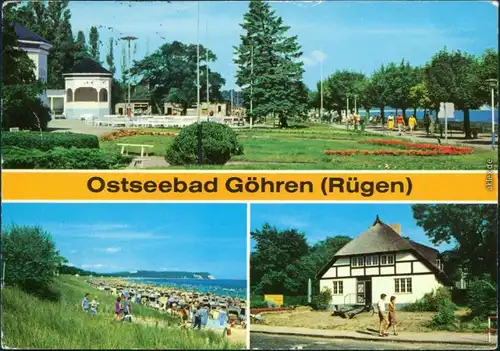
(403, 111)
(382, 114)
(415, 112)
(467, 123)
(283, 121)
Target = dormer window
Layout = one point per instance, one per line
(439, 264)
(357, 261)
(386, 260)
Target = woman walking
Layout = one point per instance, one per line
(392, 315)
(118, 309)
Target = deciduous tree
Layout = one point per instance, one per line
(472, 228)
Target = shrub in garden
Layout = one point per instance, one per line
(430, 302)
(322, 300)
(445, 318)
(482, 297)
(258, 304)
(61, 158)
(47, 141)
(218, 143)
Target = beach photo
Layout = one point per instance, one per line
(281, 85)
(124, 276)
(373, 276)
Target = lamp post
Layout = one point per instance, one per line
(355, 104)
(198, 82)
(347, 113)
(251, 86)
(208, 84)
(129, 39)
(321, 93)
(493, 84)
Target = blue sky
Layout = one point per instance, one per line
(346, 35)
(125, 237)
(319, 221)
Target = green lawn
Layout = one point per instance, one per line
(302, 148)
(58, 323)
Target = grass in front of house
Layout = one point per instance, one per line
(304, 317)
(303, 149)
(59, 323)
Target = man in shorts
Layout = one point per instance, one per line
(382, 315)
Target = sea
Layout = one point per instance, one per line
(227, 287)
(476, 116)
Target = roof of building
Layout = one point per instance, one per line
(87, 65)
(380, 238)
(28, 35)
(55, 92)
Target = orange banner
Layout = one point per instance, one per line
(473, 186)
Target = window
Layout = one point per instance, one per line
(439, 264)
(338, 287)
(386, 259)
(402, 285)
(103, 95)
(371, 260)
(357, 261)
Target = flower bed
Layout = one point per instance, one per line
(125, 133)
(423, 149)
(270, 309)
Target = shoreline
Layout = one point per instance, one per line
(113, 282)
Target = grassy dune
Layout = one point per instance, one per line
(55, 321)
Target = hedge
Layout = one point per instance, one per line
(45, 141)
(62, 158)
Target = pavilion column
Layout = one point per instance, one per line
(51, 104)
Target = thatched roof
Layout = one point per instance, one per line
(380, 238)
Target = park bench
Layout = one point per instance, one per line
(459, 128)
(142, 146)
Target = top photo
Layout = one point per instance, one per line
(250, 85)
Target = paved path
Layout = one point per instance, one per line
(260, 341)
(430, 337)
(76, 126)
(483, 142)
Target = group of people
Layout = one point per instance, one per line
(89, 306)
(399, 122)
(387, 320)
(356, 121)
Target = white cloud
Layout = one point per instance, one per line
(93, 226)
(112, 250)
(314, 58)
(98, 265)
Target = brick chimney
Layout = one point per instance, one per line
(396, 227)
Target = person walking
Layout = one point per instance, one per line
(93, 306)
(85, 303)
(382, 316)
(118, 309)
(412, 122)
(427, 124)
(197, 317)
(400, 122)
(390, 123)
(392, 315)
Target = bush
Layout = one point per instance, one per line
(30, 256)
(61, 158)
(430, 302)
(322, 300)
(482, 297)
(218, 144)
(445, 318)
(258, 304)
(295, 301)
(47, 141)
